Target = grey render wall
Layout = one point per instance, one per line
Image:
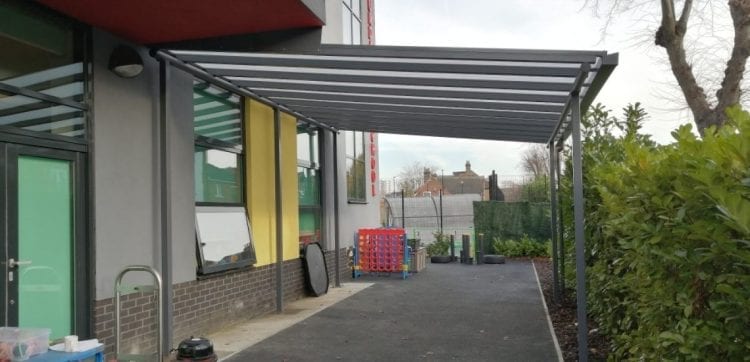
(353, 216)
(126, 169)
(332, 31)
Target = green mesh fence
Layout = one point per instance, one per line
(511, 220)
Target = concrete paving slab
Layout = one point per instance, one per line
(447, 312)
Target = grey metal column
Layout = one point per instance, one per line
(561, 225)
(279, 215)
(553, 220)
(403, 211)
(583, 329)
(336, 232)
(165, 206)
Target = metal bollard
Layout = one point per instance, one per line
(453, 248)
(465, 249)
(479, 252)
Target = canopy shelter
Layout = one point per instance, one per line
(496, 94)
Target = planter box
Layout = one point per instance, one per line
(418, 260)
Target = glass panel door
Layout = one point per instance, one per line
(40, 249)
(45, 242)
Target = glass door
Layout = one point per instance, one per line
(41, 226)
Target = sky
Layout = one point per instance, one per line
(642, 75)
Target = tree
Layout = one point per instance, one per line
(412, 176)
(671, 36)
(535, 160)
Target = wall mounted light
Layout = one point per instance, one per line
(125, 62)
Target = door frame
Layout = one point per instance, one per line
(82, 261)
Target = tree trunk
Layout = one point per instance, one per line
(671, 36)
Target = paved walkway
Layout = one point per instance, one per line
(446, 312)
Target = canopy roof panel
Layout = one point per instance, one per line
(498, 94)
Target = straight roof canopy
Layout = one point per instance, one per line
(508, 95)
(497, 94)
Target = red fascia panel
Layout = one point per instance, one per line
(162, 21)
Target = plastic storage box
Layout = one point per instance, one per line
(19, 344)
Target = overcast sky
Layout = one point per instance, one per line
(642, 75)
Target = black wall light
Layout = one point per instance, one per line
(125, 62)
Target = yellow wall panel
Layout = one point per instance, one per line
(259, 171)
(289, 186)
(260, 176)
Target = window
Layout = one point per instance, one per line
(308, 174)
(355, 166)
(351, 22)
(222, 228)
(224, 238)
(44, 62)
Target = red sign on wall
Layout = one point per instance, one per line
(373, 165)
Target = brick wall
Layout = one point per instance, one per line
(202, 306)
(345, 265)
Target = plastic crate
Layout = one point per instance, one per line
(20, 344)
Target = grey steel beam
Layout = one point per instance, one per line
(7, 88)
(448, 130)
(379, 64)
(165, 207)
(390, 78)
(284, 97)
(394, 120)
(335, 105)
(608, 66)
(561, 225)
(553, 220)
(578, 204)
(451, 132)
(345, 114)
(561, 123)
(336, 216)
(464, 134)
(396, 90)
(279, 212)
(515, 55)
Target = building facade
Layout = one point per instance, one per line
(457, 183)
(98, 176)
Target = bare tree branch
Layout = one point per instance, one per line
(708, 53)
(729, 93)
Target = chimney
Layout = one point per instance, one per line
(468, 166)
(427, 174)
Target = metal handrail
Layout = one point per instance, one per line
(159, 311)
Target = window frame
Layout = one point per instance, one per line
(82, 51)
(217, 268)
(315, 144)
(351, 195)
(354, 18)
(238, 149)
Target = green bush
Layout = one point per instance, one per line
(667, 239)
(440, 246)
(523, 247)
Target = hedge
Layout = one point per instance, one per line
(667, 239)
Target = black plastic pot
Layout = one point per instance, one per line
(196, 349)
(494, 259)
(440, 259)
